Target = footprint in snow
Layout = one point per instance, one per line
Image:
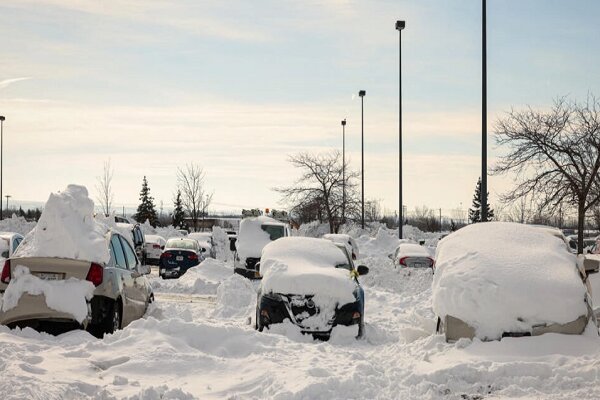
(33, 359)
(32, 369)
(109, 363)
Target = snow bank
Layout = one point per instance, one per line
(221, 242)
(67, 296)
(16, 224)
(305, 266)
(67, 229)
(384, 243)
(501, 277)
(236, 297)
(204, 278)
(251, 238)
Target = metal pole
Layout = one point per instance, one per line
(8, 196)
(484, 210)
(1, 159)
(362, 156)
(343, 170)
(399, 26)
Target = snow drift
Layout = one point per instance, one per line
(502, 277)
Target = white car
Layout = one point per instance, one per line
(154, 247)
(9, 241)
(412, 255)
(204, 237)
(501, 279)
(346, 240)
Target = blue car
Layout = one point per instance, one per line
(180, 254)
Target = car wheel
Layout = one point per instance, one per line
(257, 325)
(361, 328)
(112, 322)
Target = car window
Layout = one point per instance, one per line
(275, 231)
(182, 244)
(117, 252)
(129, 254)
(16, 244)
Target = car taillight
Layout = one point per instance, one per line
(403, 261)
(156, 246)
(166, 255)
(95, 274)
(5, 278)
(193, 256)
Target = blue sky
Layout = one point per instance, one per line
(237, 86)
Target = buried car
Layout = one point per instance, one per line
(311, 282)
(74, 269)
(501, 279)
(412, 255)
(346, 240)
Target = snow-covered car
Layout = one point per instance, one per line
(137, 238)
(71, 268)
(499, 279)
(155, 245)
(412, 255)
(179, 255)
(311, 282)
(9, 241)
(346, 240)
(204, 237)
(254, 234)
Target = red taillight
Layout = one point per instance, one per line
(5, 278)
(403, 261)
(166, 255)
(95, 274)
(156, 246)
(193, 256)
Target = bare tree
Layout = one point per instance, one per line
(104, 189)
(318, 193)
(554, 154)
(190, 181)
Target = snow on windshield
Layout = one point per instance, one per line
(297, 265)
(252, 237)
(67, 229)
(501, 277)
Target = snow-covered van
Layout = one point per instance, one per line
(256, 231)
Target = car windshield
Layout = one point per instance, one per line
(347, 265)
(181, 244)
(275, 231)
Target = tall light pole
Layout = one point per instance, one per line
(2, 118)
(399, 26)
(362, 94)
(484, 210)
(344, 170)
(8, 196)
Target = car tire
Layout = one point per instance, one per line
(113, 319)
(361, 328)
(257, 325)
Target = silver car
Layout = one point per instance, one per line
(122, 292)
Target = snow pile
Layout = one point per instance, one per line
(204, 278)
(236, 297)
(384, 243)
(67, 229)
(502, 277)
(221, 242)
(16, 224)
(166, 232)
(67, 296)
(314, 229)
(305, 266)
(252, 238)
(156, 239)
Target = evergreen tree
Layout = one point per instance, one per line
(178, 214)
(146, 210)
(475, 210)
(453, 226)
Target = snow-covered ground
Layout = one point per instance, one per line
(197, 341)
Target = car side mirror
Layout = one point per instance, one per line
(362, 270)
(203, 250)
(5, 254)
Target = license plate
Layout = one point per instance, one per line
(179, 258)
(418, 265)
(49, 276)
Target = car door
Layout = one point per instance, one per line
(138, 290)
(125, 279)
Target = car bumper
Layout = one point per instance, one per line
(34, 308)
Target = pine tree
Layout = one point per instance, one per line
(178, 214)
(453, 226)
(146, 210)
(475, 210)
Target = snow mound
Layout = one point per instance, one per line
(204, 278)
(303, 266)
(502, 277)
(17, 225)
(221, 242)
(251, 238)
(67, 296)
(236, 297)
(384, 243)
(67, 229)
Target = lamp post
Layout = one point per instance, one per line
(362, 94)
(8, 196)
(344, 170)
(399, 26)
(2, 118)
(484, 210)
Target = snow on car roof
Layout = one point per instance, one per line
(413, 250)
(252, 238)
(344, 239)
(300, 265)
(502, 277)
(67, 229)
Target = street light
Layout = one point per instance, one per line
(8, 196)
(399, 26)
(344, 170)
(2, 118)
(484, 210)
(362, 94)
